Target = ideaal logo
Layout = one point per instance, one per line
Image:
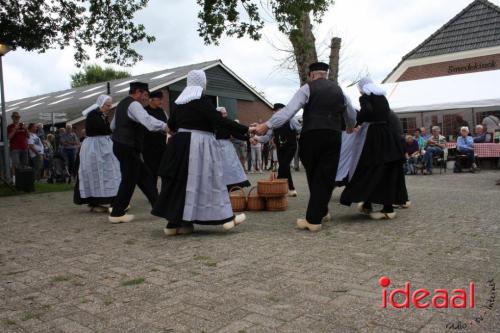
(440, 299)
(423, 298)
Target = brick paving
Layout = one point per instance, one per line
(63, 269)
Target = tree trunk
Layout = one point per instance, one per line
(335, 59)
(304, 47)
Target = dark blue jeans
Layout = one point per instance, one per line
(70, 157)
(429, 153)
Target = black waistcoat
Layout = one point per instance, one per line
(127, 131)
(325, 106)
(284, 135)
(153, 140)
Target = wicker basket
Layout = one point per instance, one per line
(273, 187)
(277, 204)
(255, 202)
(238, 199)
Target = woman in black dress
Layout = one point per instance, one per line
(98, 176)
(193, 189)
(379, 174)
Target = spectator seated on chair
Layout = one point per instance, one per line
(480, 134)
(420, 139)
(435, 147)
(465, 147)
(412, 152)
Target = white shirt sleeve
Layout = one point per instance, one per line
(297, 102)
(265, 138)
(295, 125)
(138, 114)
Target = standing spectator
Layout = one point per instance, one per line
(491, 124)
(256, 152)
(412, 152)
(40, 131)
(423, 132)
(465, 146)
(36, 150)
(70, 144)
(420, 139)
(18, 141)
(435, 146)
(59, 134)
(480, 134)
(48, 155)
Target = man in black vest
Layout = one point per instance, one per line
(155, 143)
(129, 124)
(321, 138)
(285, 139)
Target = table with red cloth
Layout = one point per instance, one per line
(482, 150)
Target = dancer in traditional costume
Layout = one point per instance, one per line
(129, 125)
(377, 176)
(320, 140)
(155, 143)
(98, 176)
(233, 172)
(193, 189)
(285, 139)
(346, 152)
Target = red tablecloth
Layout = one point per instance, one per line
(481, 149)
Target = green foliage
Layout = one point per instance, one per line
(39, 188)
(133, 282)
(95, 74)
(219, 17)
(106, 25)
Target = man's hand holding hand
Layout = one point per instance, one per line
(261, 129)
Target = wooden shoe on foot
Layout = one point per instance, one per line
(382, 216)
(184, 230)
(121, 219)
(302, 224)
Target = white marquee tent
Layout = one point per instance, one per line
(465, 91)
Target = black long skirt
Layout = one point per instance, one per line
(379, 177)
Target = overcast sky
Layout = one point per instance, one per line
(376, 35)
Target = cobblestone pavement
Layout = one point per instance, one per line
(63, 269)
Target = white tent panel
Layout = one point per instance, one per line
(463, 91)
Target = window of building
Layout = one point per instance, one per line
(409, 125)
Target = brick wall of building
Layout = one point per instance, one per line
(486, 63)
(252, 112)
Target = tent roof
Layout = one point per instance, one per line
(442, 93)
(73, 101)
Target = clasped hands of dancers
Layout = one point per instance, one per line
(199, 164)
